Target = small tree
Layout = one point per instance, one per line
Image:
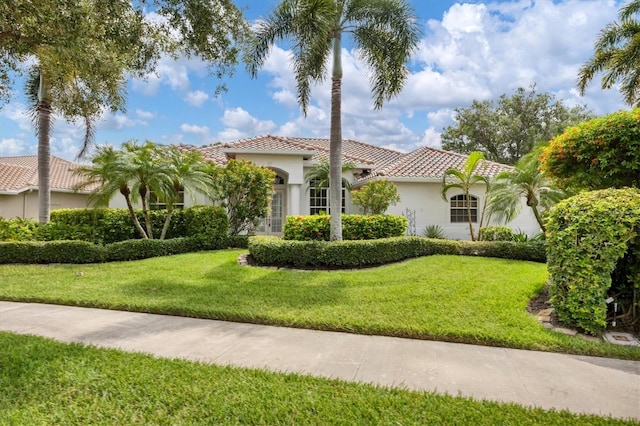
(244, 189)
(464, 179)
(376, 196)
(601, 153)
(525, 180)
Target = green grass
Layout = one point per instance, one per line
(449, 298)
(46, 383)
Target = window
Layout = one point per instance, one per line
(459, 205)
(319, 199)
(155, 204)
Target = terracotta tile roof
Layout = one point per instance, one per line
(429, 163)
(433, 163)
(18, 174)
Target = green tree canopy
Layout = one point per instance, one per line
(78, 54)
(506, 130)
(617, 54)
(384, 32)
(598, 154)
(244, 189)
(375, 196)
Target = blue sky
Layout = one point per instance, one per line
(469, 51)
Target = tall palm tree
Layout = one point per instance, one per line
(525, 180)
(384, 32)
(617, 54)
(464, 179)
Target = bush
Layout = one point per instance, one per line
(590, 238)
(206, 224)
(496, 233)
(434, 231)
(358, 253)
(144, 249)
(354, 227)
(51, 252)
(18, 229)
(375, 196)
(597, 154)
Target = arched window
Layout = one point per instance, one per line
(458, 207)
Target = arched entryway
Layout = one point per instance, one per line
(273, 224)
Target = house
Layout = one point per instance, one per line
(19, 186)
(417, 175)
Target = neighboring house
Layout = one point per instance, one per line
(418, 176)
(19, 186)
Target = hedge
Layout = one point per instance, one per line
(274, 251)
(34, 252)
(354, 227)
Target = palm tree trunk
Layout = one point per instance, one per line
(145, 213)
(44, 150)
(335, 142)
(132, 213)
(468, 201)
(167, 221)
(536, 213)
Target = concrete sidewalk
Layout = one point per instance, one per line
(578, 383)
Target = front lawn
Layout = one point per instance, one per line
(45, 382)
(450, 298)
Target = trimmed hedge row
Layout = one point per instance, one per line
(354, 227)
(274, 251)
(34, 252)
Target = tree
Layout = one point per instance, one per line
(110, 173)
(601, 153)
(506, 130)
(384, 32)
(244, 190)
(136, 171)
(616, 54)
(78, 53)
(188, 174)
(464, 179)
(376, 196)
(525, 180)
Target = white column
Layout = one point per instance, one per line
(293, 201)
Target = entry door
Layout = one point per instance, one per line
(272, 225)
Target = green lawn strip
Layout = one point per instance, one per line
(45, 382)
(449, 298)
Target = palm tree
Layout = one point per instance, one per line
(464, 179)
(318, 176)
(384, 32)
(617, 54)
(188, 174)
(525, 180)
(111, 172)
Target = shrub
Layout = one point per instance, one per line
(354, 227)
(358, 253)
(51, 252)
(206, 224)
(144, 249)
(434, 231)
(376, 196)
(18, 229)
(496, 233)
(589, 236)
(597, 154)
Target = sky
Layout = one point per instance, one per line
(475, 50)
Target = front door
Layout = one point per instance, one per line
(272, 224)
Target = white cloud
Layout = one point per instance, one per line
(11, 146)
(147, 115)
(192, 128)
(240, 124)
(196, 98)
